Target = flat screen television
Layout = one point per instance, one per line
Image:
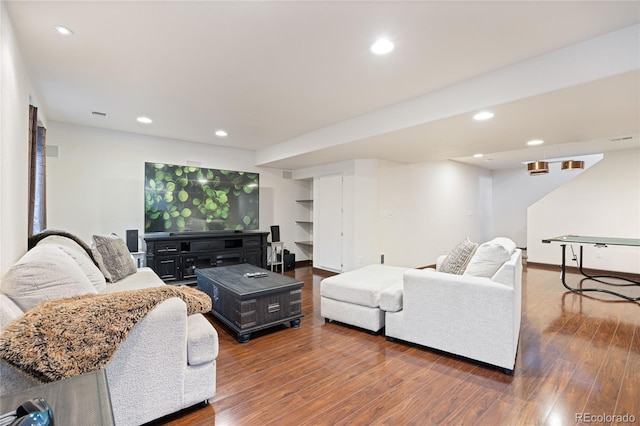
(187, 198)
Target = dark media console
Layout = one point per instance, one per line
(176, 256)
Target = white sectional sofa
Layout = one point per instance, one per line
(166, 363)
(474, 313)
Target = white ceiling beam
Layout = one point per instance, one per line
(599, 57)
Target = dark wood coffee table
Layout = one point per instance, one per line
(247, 304)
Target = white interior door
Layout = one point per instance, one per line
(327, 224)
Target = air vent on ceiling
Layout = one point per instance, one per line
(99, 114)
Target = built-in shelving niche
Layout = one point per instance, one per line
(304, 220)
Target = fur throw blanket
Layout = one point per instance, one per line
(67, 337)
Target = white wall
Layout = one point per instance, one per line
(15, 93)
(96, 184)
(603, 201)
(411, 213)
(425, 209)
(514, 190)
(331, 245)
(366, 199)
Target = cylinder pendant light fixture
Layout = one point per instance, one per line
(572, 165)
(538, 167)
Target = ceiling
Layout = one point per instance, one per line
(278, 76)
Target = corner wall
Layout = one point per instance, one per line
(603, 201)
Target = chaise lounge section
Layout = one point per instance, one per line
(354, 297)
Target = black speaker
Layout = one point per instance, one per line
(132, 240)
(289, 262)
(275, 233)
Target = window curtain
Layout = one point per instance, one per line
(37, 174)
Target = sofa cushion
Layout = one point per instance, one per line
(80, 253)
(202, 341)
(88, 267)
(391, 297)
(361, 286)
(144, 278)
(44, 273)
(9, 311)
(490, 256)
(458, 258)
(113, 257)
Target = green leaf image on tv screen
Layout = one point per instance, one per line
(187, 198)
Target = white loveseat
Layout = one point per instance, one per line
(166, 363)
(477, 317)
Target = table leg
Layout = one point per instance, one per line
(595, 278)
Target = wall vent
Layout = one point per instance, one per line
(52, 150)
(286, 174)
(99, 114)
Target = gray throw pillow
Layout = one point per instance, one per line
(458, 258)
(113, 257)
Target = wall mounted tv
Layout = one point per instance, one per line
(187, 198)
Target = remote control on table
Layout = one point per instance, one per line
(255, 274)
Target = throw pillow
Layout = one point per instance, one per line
(490, 256)
(458, 258)
(44, 273)
(113, 257)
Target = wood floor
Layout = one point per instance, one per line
(577, 356)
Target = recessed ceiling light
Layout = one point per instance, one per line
(478, 155)
(535, 142)
(382, 46)
(63, 30)
(483, 115)
(221, 133)
(144, 120)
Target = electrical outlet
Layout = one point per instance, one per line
(599, 254)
